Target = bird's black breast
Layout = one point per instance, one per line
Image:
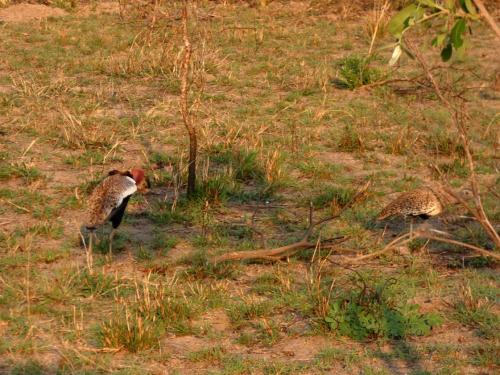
(117, 214)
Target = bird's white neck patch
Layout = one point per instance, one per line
(130, 179)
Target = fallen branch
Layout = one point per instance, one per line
(305, 243)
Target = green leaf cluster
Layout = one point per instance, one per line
(452, 17)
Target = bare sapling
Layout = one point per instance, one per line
(184, 103)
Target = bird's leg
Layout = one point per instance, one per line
(91, 234)
(111, 235)
(411, 228)
(89, 251)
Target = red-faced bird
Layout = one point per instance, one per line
(109, 200)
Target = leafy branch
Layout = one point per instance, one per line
(452, 19)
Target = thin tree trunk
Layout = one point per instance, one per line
(184, 106)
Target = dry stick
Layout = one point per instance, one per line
(184, 108)
(479, 212)
(280, 252)
(487, 16)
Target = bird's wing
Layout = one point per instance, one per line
(122, 187)
(404, 204)
(107, 196)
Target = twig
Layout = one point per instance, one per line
(29, 147)
(16, 206)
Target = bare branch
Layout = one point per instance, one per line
(487, 16)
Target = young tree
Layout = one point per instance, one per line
(184, 103)
(450, 20)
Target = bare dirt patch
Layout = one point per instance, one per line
(28, 12)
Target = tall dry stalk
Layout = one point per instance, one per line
(381, 12)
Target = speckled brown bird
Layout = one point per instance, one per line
(109, 200)
(423, 202)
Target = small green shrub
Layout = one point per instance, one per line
(161, 213)
(161, 159)
(355, 71)
(213, 355)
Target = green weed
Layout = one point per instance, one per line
(369, 313)
(355, 71)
